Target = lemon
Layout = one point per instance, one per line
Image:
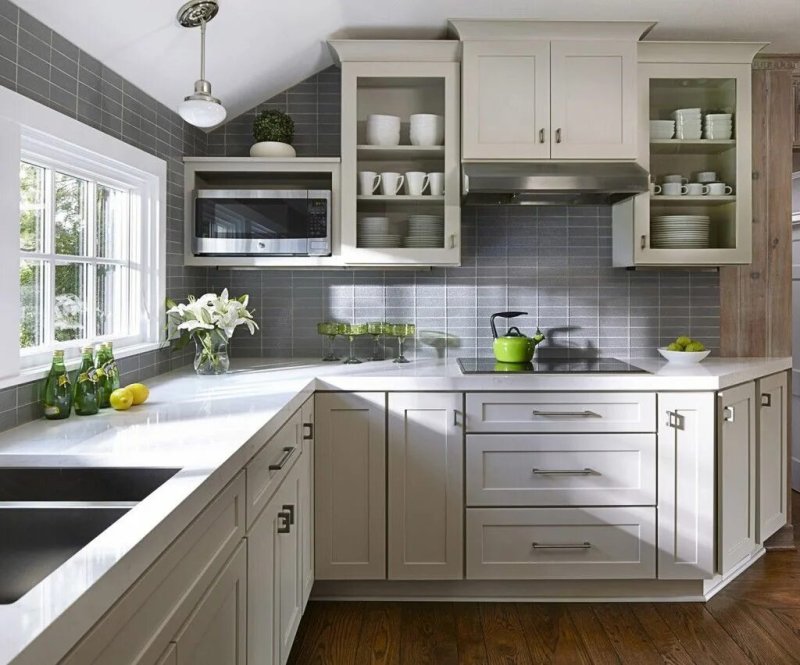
(121, 399)
(140, 393)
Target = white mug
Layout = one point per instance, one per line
(655, 189)
(706, 177)
(416, 182)
(391, 183)
(719, 189)
(436, 183)
(674, 189)
(696, 189)
(679, 179)
(368, 182)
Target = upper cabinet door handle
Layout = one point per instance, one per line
(766, 399)
(541, 135)
(729, 414)
(558, 135)
(308, 431)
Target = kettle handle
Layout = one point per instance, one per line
(503, 315)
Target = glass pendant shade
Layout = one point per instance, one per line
(202, 109)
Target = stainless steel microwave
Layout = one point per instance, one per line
(262, 222)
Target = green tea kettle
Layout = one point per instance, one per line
(513, 347)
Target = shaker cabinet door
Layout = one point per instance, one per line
(506, 100)
(773, 437)
(593, 101)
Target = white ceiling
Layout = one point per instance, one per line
(256, 48)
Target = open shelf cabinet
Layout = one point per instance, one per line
(401, 89)
(672, 81)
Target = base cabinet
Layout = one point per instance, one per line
(772, 396)
(736, 475)
(426, 486)
(686, 507)
(307, 499)
(350, 486)
(215, 632)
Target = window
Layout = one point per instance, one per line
(77, 264)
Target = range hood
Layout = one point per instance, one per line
(552, 183)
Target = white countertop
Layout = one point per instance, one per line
(210, 427)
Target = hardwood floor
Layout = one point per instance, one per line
(756, 619)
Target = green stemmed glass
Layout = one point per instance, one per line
(402, 331)
(351, 331)
(330, 329)
(376, 329)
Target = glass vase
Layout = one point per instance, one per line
(211, 353)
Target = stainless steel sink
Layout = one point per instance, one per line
(37, 540)
(48, 514)
(80, 483)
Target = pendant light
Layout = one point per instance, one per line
(200, 109)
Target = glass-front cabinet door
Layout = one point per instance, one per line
(400, 163)
(695, 140)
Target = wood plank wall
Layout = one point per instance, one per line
(756, 300)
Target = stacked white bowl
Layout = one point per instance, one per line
(425, 231)
(662, 129)
(383, 129)
(426, 129)
(375, 231)
(687, 123)
(718, 126)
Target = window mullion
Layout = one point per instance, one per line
(91, 267)
(49, 266)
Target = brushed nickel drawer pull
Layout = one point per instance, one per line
(558, 135)
(562, 546)
(308, 432)
(766, 399)
(290, 509)
(287, 453)
(565, 472)
(285, 519)
(643, 243)
(729, 414)
(576, 414)
(541, 135)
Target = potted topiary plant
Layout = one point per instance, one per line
(273, 130)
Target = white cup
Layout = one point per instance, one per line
(436, 183)
(675, 179)
(674, 189)
(368, 182)
(391, 183)
(696, 189)
(416, 182)
(655, 189)
(426, 129)
(719, 189)
(706, 177)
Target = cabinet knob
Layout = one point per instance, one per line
(643, 243)
(541, 135)
(289, 508)
(452, 241)
(766, 399)
(285, 521)
(308, 431)
(729, 414)
(558, 135)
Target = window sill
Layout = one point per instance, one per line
(30, 374)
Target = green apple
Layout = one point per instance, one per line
(695, 347)
(674, 347)
(683, 340)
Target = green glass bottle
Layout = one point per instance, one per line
(85, 395)
(57, 392)
(111, 367)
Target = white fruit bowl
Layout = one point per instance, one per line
(683, 357)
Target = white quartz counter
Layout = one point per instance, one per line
(210, 427)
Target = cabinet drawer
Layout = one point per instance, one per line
(561, 412)
(271, 464)
(561, 543)
(561, 469)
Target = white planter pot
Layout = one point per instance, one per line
(272, 149)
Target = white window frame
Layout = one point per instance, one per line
(32, 132)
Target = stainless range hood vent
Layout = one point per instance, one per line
(552, 183)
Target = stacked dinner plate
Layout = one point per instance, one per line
(375, 231)
(687, 123)
(425, 231)
(680, 232)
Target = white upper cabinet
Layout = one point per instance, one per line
(593, 100)
(506, 100)
(549, 89)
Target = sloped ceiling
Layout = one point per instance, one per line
(256, 48)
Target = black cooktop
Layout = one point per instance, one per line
(549, 366)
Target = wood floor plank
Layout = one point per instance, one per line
(428, 634)
(630, 640)
(550, 634)
(736, 619)
(664, 640)
(335, 639)
(594, 638)
(502, 634)
(700, 634)
(469, 634)
(379, 641)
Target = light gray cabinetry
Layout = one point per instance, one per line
(772, 397)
